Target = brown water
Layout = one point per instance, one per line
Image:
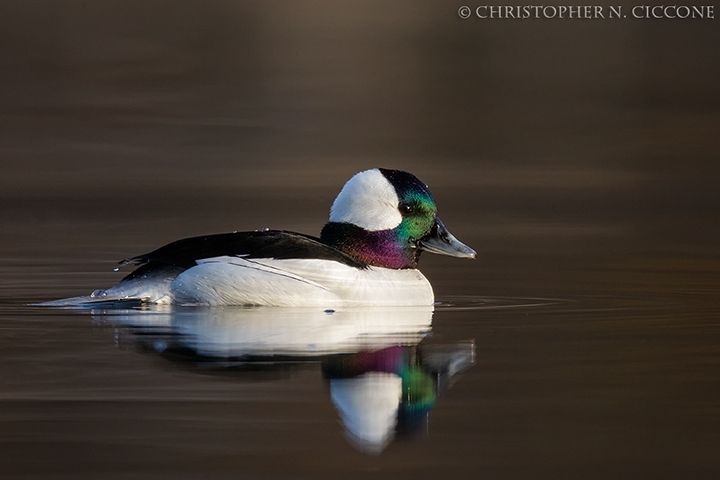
(579, 158)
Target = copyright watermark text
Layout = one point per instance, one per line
(588, 12)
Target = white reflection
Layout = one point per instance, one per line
(368, 407)
(267, 331)
(382, 380)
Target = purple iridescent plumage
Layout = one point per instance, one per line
(379, 249)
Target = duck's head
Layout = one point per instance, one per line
(386, 218)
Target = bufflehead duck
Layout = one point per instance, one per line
(367, 255)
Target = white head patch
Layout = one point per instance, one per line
(369, 201)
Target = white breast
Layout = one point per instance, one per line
(298, 283)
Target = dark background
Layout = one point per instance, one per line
(590, 137)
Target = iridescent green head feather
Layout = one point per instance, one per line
(385, 218)
(415, 204)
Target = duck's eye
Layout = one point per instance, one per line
(406, 208)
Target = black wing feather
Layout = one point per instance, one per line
(276, 244)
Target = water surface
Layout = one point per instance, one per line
(609, 378)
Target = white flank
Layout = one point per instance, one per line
(298, 283)
(369, 201)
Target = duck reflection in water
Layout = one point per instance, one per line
(391, 390)
(383, 374)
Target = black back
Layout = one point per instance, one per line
(276, 244)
